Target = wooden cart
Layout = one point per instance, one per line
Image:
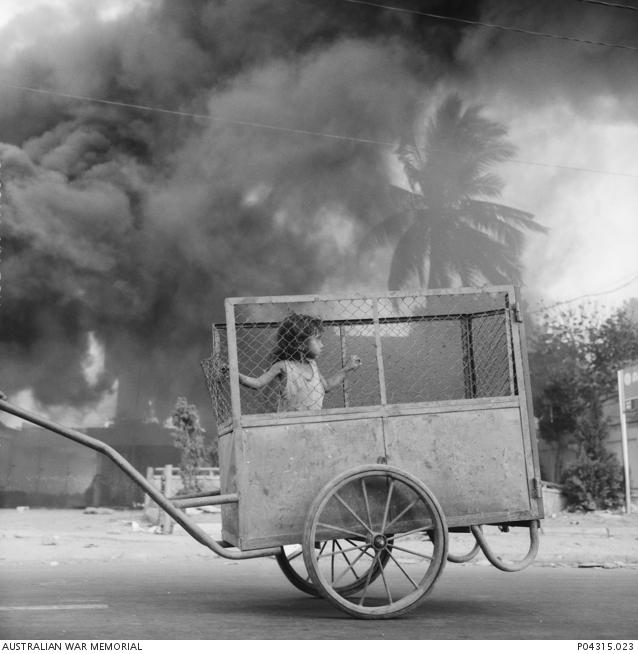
(433, 434)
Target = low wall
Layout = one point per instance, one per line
(553, 499)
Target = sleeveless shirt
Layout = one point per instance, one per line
(298, 392)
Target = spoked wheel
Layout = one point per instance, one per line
(385, 512)
(290, 560)
(292, 564)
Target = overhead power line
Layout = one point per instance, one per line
(630, 281)
(189, 114)
(495, 26)
(291, 130)
(614, 5)
(575, 168)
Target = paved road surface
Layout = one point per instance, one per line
(217, 599)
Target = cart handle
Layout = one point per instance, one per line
(219, 547)
(512, 566)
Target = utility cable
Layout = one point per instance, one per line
(505, 28)
(292, 130)
(174, 112)
(589, 295)
(614, 5)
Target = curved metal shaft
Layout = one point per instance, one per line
(190, 527)
(464, 558)
(513, 566)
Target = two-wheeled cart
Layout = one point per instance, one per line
(433, 434)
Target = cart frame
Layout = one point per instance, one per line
(247, 441)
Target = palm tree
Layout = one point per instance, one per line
(448, 227)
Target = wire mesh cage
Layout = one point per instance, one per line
(445, 345)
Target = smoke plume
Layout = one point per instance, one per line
(132, 225)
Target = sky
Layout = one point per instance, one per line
(123, 229)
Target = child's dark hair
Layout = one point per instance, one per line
(293, 334)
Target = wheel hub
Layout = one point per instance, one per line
(379, 542)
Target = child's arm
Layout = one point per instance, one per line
(261, 381)
(336, 380)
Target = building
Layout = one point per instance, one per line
(39, 468)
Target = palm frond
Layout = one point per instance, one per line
(387, 232)
(444, 118)
(390, 229)
(406, 200)
(486, 185)
(499, 232)
(409, 255)
(468, 135)
(384, 233)
(412, 163)
(502, 212)
(484, 257)
(442, 245)
(490, 224)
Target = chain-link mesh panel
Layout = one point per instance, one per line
(493, 365)
(215, 369)
(445, 347)
(414, 348)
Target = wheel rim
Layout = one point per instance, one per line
(291, 562)
(385, 514)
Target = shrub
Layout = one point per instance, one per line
(189, 437)
(592, 484)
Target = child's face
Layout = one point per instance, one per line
(314, 346)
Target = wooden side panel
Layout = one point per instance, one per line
(228, 484)
(286, 466)
(473, 461)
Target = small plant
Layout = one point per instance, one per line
(592, 484)
(189, 437)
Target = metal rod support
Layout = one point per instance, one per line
(188, 496)
(205, 501)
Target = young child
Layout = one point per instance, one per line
(295, 366)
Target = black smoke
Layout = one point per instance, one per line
(135, 224)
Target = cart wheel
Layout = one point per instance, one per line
(464, 558)
(291, 562)
(385, 512)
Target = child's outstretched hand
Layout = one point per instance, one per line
(220, 371)
(353, 363)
